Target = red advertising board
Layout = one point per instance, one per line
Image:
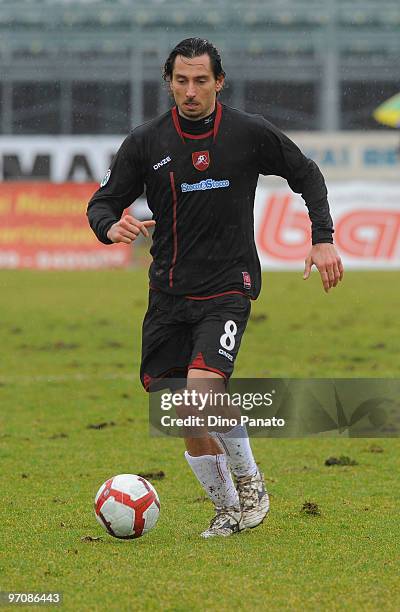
(44, 226)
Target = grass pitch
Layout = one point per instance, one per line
(70, 351)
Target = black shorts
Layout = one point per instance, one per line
(180, 334)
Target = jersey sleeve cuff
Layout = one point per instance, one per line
(322, 235)
(103, 233)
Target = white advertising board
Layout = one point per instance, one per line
(62, 159)
(366, 220)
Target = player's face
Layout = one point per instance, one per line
(194, 86)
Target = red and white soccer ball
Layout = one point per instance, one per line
(127, 506)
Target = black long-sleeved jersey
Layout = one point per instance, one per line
(200, 189)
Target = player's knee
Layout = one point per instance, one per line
(186, 410)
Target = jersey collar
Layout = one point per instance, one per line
(183, 135)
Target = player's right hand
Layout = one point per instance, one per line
(128, 229)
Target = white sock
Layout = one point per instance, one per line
(236, 445)
(213, 474)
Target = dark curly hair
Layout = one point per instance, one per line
(194, 47)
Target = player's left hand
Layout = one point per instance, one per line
(328, 263)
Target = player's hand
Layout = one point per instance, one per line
(128, 229)
(328, 263)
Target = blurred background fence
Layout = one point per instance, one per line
(90, 67)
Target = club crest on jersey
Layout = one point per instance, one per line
(201, 160)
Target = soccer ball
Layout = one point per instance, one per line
(127, 506)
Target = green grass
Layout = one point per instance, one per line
(70, 357)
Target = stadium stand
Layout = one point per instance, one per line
(93, 66)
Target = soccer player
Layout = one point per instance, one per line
(200, 163)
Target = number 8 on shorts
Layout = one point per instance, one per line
(227, 339)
